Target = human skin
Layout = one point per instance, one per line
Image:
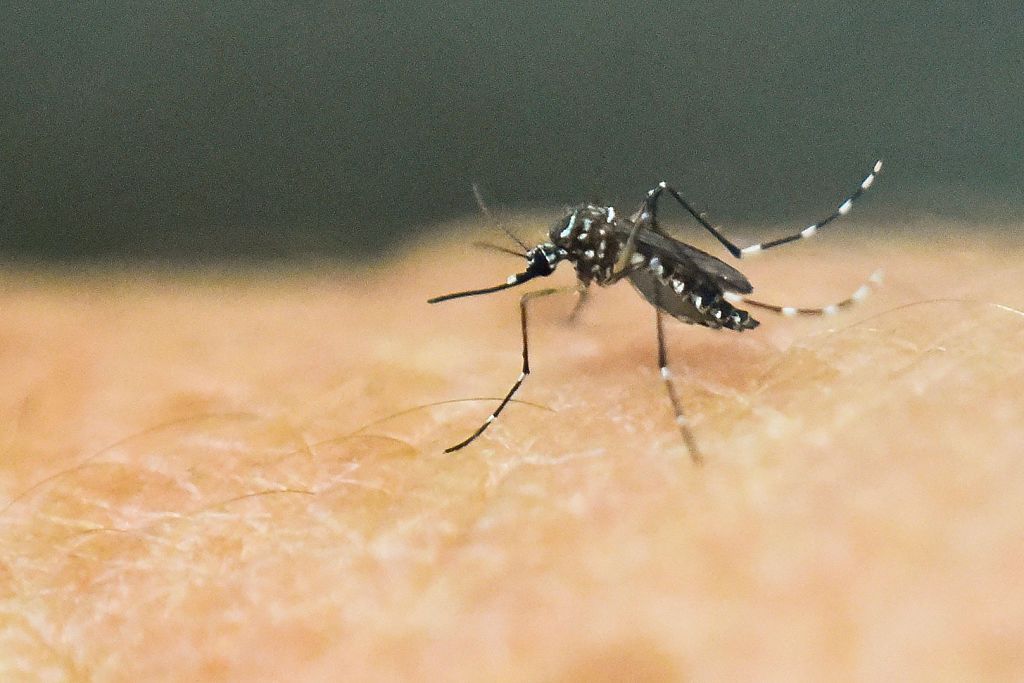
(238, 475)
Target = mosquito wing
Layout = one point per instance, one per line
(699, 269)
(661, 295)
(701, 279)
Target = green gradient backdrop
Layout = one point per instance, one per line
(219, 130)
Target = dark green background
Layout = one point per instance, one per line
(203, 131)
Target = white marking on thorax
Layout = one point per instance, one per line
(568, 228)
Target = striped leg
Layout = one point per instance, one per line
(666, 375)
(650, 208)
(526, 298)
(862, 292)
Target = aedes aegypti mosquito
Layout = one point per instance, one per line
(676, 278)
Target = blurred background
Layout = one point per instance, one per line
(198, 131)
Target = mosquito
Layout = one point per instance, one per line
(678, 279)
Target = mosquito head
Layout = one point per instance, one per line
(543, 259)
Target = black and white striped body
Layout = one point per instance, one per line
(685, 282)
(677, 279)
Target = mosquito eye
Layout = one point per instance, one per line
(540, 262)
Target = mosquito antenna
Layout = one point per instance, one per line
(495, 247)
(487, 213)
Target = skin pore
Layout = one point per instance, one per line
(240, 475)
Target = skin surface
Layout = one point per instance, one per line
(224, 475)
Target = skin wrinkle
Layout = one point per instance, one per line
(866, 526)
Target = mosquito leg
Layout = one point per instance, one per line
(649, 210)
(625, 257)
(862, 292)
(581, 301)
(523, 301)
(666, 375)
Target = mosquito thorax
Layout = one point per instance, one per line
(590, 239)
(581, 221)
